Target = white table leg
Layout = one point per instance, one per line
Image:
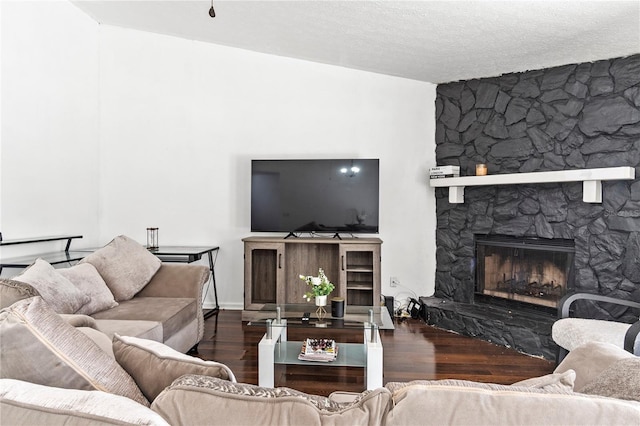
(266, 354)
(374, 368)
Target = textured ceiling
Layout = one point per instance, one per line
(434, 41)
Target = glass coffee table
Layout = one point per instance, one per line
(274, 348)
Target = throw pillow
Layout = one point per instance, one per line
(125, 265)
(244, 404)
(140, 356)
(31, 404)
(55, 289)
(86, 278)
(589, 360)
(550, 382)
(38, 346)
(621, 380)
(12, 291)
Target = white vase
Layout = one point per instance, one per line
(321, 300)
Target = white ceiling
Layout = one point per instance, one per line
(434, 41)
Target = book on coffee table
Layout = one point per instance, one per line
(323, 350)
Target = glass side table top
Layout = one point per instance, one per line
(354, 317)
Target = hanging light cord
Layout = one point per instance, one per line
(212, 12)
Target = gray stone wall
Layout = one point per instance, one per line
(575, 116)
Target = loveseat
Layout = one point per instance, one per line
(122, 288)
(52, 373)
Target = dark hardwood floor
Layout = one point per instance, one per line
(412, 351)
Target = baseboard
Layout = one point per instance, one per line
(227, 306)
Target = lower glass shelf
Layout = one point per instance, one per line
(349, 355)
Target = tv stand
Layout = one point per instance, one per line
(273, 265)
(337, 235)
(291, 234)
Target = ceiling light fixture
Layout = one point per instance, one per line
(212, 12)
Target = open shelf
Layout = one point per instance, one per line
(591, 181)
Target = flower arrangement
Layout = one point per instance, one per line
(320, 285)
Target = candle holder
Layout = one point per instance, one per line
(152, 238)
(481, 169)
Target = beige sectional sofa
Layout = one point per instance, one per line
(122, 288)
(54, 373)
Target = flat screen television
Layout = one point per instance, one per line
(315, 196)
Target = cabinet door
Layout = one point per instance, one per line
(360, 274)
(263, 274)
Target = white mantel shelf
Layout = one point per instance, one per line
(591, 181)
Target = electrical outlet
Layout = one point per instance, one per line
(394, 282)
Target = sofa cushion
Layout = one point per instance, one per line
(457, 402)
(87, 279)
(140, 356)
(550, 382)
(150, 330)
(31, 404)
(244, 404)
(621, 380)
(125, 265)
(589, 360)
(56, 290)
(173, 313)
(38, 346)
(12, 291)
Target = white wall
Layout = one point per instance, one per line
(181, 120)
(177, 124)
(49, 135)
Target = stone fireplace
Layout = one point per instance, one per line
(571, 117)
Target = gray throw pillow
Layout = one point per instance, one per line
(139, 356)
(589, 360)
(621, 380)
(38, 346)
(55, 289)
(125, 265)
(86, 278)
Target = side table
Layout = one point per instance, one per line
(189, 254)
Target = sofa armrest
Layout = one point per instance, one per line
(79, 320)
(177, 280)
(180, 280)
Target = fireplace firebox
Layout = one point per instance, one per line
(534, 271)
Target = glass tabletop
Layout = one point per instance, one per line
(354, 317)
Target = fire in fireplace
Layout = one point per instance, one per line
(530, 270)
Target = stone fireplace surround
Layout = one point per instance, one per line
(575, 116)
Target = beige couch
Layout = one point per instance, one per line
(122, 288)
(54, 373)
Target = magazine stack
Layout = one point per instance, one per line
(323, 350)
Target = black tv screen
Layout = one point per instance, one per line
(330, 196)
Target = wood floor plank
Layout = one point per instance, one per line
(413, 351)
